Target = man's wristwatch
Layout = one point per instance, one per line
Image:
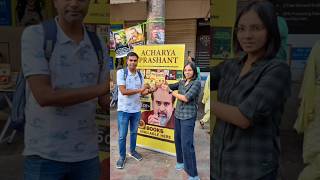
(170, 91)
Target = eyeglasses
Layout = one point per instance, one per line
(252, 29)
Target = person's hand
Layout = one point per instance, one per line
(146, 86)
(153, 89)
(154, 119)
(165, 86)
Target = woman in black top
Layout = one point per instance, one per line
(185, 116)
(252, 91)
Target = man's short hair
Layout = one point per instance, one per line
(132, 54)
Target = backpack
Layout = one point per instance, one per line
(114, 93)
(125, 73)
(50, 37)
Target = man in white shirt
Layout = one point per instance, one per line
(61, 139)
(130, 83)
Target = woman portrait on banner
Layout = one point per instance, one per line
(185, 115)
(252, 91)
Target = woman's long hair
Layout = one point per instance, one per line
(267, 14)
(194, 69)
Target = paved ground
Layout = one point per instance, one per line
(156, 166)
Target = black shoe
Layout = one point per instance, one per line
(120, 163)
(135, 155)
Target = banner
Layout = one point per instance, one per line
(115, 26)
(121, 45)
(301, 16)
(98, 12)
(223, 13)
(222, 42)
(104, 143)
(159, 63)
(164, 57)
(223, 16)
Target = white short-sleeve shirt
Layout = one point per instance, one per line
(132, 103)
(67, 134)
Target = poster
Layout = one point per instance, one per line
(104, 143)
(112, 43)
(223, 16)
(98, 12)
(121, 44)
(223, 13)
(301, 16)
(159, 63)
(124, 40)
(30, 12)
(5, 13)
(222, 42)
(135, 36)
(115, 26)
(157, 35)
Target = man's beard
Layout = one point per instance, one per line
(163, 118)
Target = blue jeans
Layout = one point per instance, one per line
(37, 168)
(183, 138)
(124, 119)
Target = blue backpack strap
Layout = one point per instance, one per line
(140, 76)
(50, 37)
(18, 104)
(19, 96)
(125, 73)
(97, 48)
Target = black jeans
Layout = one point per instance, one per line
(271, 176)
(183, 138)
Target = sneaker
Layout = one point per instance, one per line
(194, 178)
(135, 155)
(120, 163)
(179, 166)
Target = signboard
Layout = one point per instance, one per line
(159, 63)
(301, 16)
(98, 12)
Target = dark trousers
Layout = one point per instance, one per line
(183, 137)
(270, 176)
